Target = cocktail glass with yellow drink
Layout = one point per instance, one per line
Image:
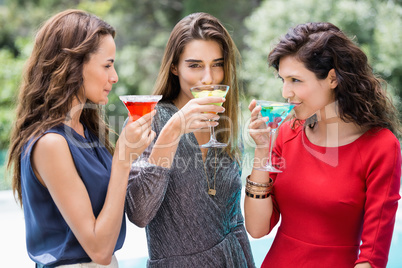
(211, 91)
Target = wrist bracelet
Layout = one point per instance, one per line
(258, 190)
(269, 184)
(257, 196)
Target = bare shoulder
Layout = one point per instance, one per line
(50, 149)
(51, 142)
(51, 158)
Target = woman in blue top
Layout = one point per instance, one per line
(71, 188)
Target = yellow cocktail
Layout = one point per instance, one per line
(211, 91)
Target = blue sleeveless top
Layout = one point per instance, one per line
(49, 239)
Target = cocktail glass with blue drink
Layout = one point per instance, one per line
(276, 112)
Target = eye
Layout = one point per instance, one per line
(219, 64)
(109, 63)
(295, 80)
(194, 65)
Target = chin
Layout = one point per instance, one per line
(302, 116)
(104, 101)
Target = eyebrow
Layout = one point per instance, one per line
(289, 76)
(192, 60)
(111, 60)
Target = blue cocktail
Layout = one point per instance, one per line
(276, 112)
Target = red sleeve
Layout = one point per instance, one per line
(275, 214)
(382, 195)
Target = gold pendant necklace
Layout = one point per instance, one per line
(211, 191)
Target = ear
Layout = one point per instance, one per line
(333, 82)
(173, 69)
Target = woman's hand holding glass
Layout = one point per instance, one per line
(135, 138)
(198, 113)
(258, 129)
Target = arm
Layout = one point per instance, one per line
(146, 189)
(363, 265)
(149, 176)
(258, 212)
(382, 195)
(54, 166)
(193, 116)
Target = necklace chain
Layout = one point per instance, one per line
(211, 191)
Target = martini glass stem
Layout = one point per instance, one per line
(212, 131)
(271, 141)
(212, 140)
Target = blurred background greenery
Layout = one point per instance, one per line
(143, 28)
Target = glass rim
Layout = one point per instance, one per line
(265, 102)
(140, 98)
(210, 86)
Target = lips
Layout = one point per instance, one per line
(295, 103)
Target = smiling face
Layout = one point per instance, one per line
(302, 88)
(201, 63)
(99, 73)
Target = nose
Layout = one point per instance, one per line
(207, 77)
(113, 78)
(287, 91)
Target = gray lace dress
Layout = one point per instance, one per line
(185, 226)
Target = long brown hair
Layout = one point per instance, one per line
(53, 78)
(203, 26)
(360, 94)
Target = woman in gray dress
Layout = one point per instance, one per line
(188, 197)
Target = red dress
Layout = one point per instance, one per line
(333, 199)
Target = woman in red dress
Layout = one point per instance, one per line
(338, 191)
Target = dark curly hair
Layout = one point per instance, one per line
(361, 95)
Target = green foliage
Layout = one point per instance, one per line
(388, 39)
(138, 66)
(5, 182)
(138, 22)
(10, 78)
(99, 8)
(230, 13)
